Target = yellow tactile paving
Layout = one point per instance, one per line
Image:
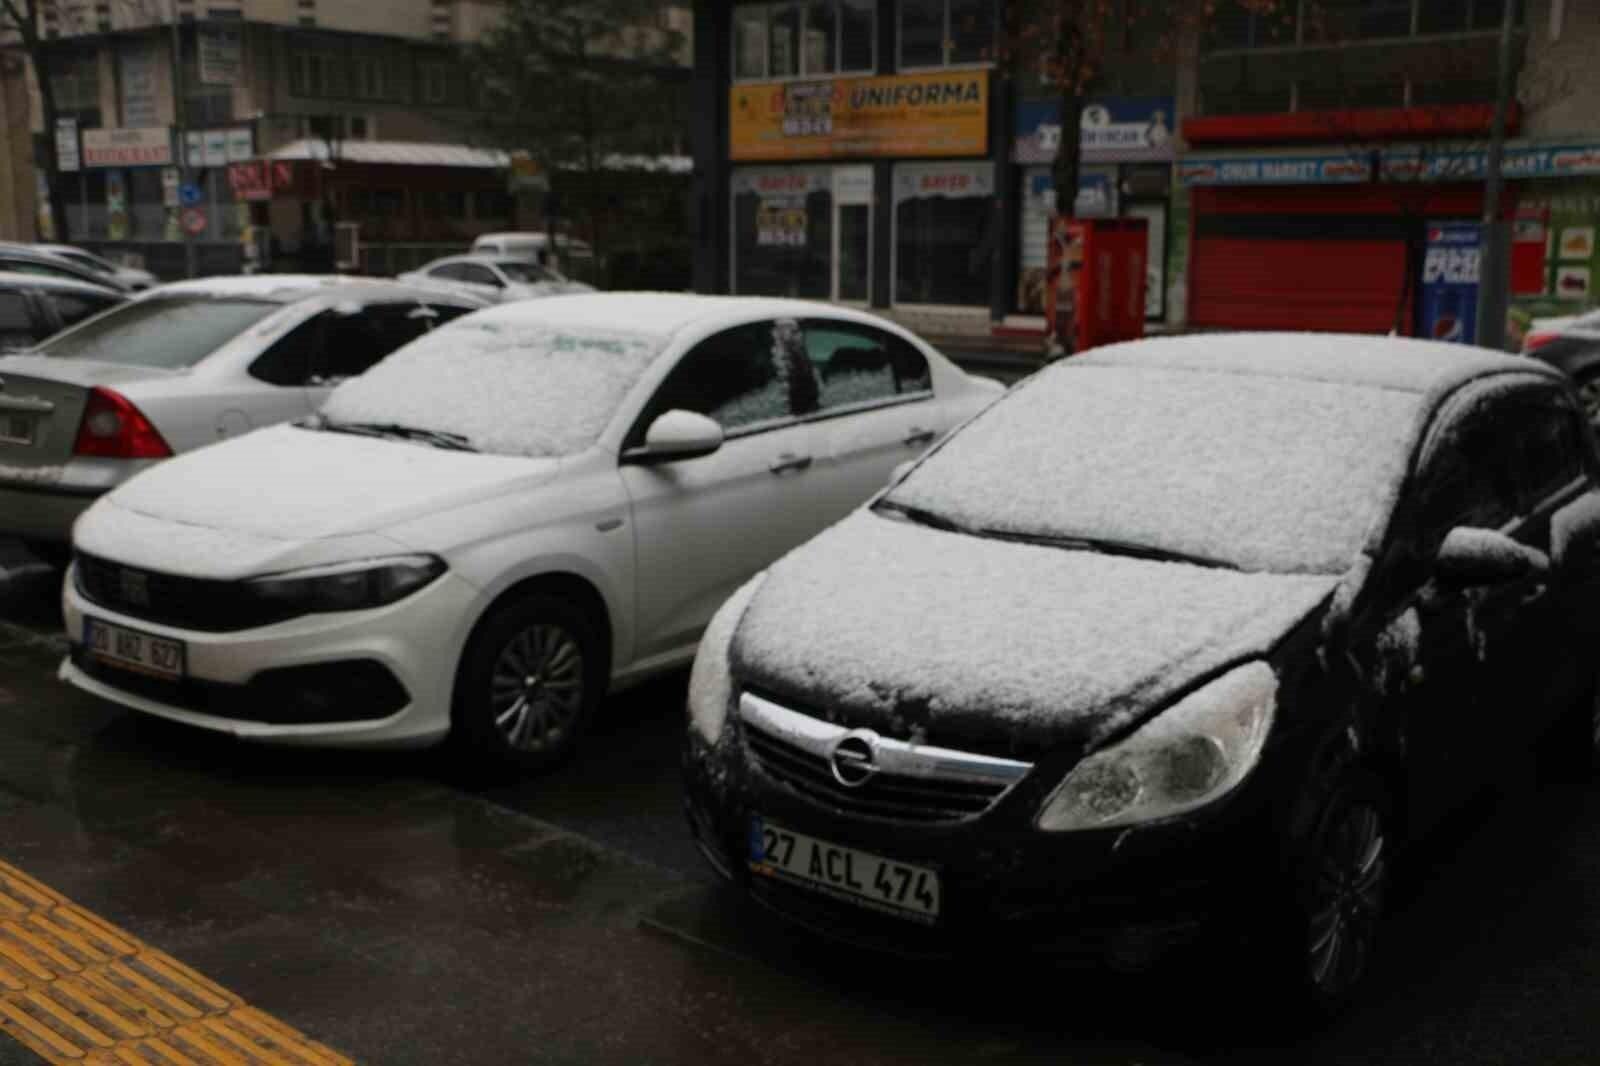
(76, 989)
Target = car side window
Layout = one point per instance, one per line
(480, 275)
(743, 377)
(859, 364)
(1544, 440)
(449, 272)
(288, 362)
(16, 320)
(1465, 482)
(74, 307)
(352, 344)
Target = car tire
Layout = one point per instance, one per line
(1340, 888)
(529, 684)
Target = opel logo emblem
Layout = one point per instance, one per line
(854, 758)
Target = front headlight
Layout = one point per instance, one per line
(1191, 754)
(711, 680)
(351, 586)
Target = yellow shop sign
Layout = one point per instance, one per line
(938, 114)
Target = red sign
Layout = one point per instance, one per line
(259, 179)
(194, 220)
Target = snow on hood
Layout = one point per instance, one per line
(913, 631)
(290, 484)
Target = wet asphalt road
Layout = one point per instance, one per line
(403, 911)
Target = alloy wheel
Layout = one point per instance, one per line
(536, 689)
(1347, 900)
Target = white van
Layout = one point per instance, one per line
(536, 246)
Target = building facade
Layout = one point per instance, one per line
(1289, 167)
(248, 130)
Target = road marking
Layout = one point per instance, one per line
(76, 989)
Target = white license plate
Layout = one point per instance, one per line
(858, 877)
(16, 429)
(130, 649)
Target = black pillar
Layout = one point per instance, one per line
(882, 232)
(1003, 268)
(708, 133)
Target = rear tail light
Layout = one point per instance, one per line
(1538, 340)
(112, 428)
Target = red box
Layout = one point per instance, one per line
(1096, 271)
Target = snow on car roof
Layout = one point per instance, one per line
(287, 288)
(658, 314)
(1349, 359)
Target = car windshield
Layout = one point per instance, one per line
(171, 333)
(528, 273)
(507, 386)
(1255, 472)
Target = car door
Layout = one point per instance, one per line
(704, 526)
(876, 407)
(1462, 699)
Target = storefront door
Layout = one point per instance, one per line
(852, 234)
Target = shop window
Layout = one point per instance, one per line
(936, 33)
(783, 232)
(1466, 15)
(816, 38)
(944, 233)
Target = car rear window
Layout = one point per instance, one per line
(170, 333)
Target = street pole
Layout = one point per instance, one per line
(1493, 263)
(181, 132)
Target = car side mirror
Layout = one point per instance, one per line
(1575, 532)
(1474, 557)
(677, 434)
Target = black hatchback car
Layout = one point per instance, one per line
(1179, 635)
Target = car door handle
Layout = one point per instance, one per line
(919, 437)
(790, 464)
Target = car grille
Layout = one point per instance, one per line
(912, 783)
(166, 599)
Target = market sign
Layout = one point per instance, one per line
(148, 146)
(1111, 129)
(1396, 164)
(944, 113)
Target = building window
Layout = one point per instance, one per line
(76, 81)
(369, 77)
(943, 233)
(441, 84)
(937, 33)
(815, 39)
(783, 231)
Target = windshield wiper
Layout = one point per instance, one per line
(1106, 547)
(922, 516)
(438, 438)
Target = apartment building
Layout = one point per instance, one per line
(284, 117)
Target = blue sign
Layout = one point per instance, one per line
(1127, 129)
(1450, 282)
(189, 194)
(1275, 170)
(1396, 164)
(1097, 195)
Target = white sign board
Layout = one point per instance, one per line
(139, 88)
(67, 159)
(215, 149)
(241, 145)
(149, 146)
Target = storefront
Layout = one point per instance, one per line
(1125, 172)
(863, 190)
(1328, 240)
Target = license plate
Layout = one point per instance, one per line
(16, 429)
(858, 877)
(129, 649)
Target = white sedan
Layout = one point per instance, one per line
(527, 507)
(495, 278)
(181, 366)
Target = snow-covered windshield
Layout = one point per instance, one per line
(1255, 472)
(509, 387)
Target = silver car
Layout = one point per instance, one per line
(178, 367)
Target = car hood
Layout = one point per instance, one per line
(948, 638)
(287, 485)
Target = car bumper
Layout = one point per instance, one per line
(1126, 897)
(375, 678)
